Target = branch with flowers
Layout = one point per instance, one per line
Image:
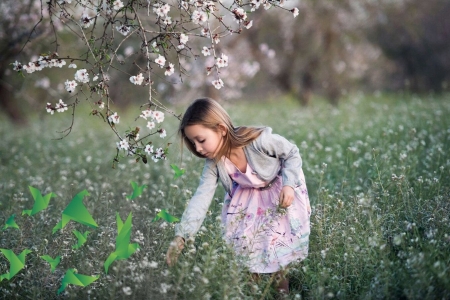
(169, 35)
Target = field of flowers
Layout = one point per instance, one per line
(377, 170)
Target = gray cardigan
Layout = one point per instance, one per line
(265, 155)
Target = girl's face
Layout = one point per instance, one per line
(207, 142)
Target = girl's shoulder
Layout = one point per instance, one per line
(265, 133)
(268, 140)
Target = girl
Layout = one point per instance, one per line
(266, 209)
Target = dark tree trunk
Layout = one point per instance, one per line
(9, 106)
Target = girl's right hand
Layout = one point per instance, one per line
(174, 250)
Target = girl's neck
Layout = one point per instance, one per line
(236, 152)
(238, 158)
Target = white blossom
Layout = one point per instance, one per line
(127, 290)
(222, 61)
(70, 85)
(148, 149)
(123, 29)
(161, 10)
(295, 11)
(217, 83)
(205, 32)
(58, 63)
(161, 61)
(151, 125)
(184, 38)
(117, 4)
(206, 51)
(137, 80)
(114, 118)
(158, 155)
(199, 17)
(123, 144)
(162, 133)
(86, 21)
(255, 4)
(30, 68)
(17, 66)
(147, 114)
(73, 66)
(82, 76)
(239, 14)
(169, 70)
(61, 106)
(50, 109)
(167, 20)
(158, 116)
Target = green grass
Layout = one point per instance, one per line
(377, 170)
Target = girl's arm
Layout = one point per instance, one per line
(196, 210)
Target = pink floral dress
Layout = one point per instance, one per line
(264, 236)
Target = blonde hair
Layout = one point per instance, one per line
(209, 113)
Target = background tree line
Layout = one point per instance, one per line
(331, 49)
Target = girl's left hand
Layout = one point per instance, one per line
(286, 196)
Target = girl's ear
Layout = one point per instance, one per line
(223, 129)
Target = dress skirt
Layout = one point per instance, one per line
(265, 237)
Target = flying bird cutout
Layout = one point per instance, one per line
(163, 214)
(16, 262)
(123, 247)
(11, 223)
(77, 212)
(40, 202)
(71, 277)
(54, 262)
(137, 190)
(82, 238)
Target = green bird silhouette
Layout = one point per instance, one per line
(82, 238)
(40, 202)
(77, 212)
(137, 190)
(123, 247)
(16, 262)
(163, 214)
(53, 262)
(178, 171)
(11, 223)
(71, 277)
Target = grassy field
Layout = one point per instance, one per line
(377, 170)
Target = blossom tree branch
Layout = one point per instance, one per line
(170, 33)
